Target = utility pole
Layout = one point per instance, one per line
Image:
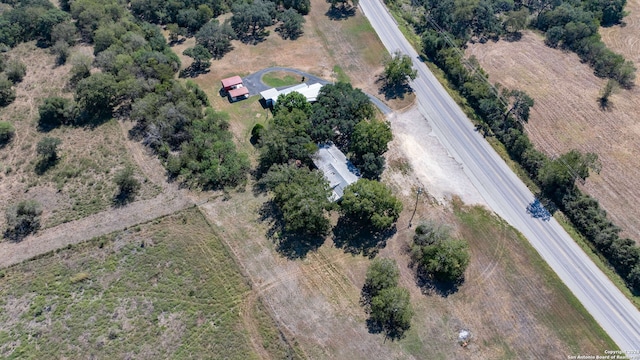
(416, 206)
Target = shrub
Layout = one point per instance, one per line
(23, 219)
(7, 131)
(7, 92)
(15, 70)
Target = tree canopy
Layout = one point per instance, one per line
(302, 195)
(22, 219)
(216, 38)
(286, 139)
(291, 26)
(438, 255)
(372, 203)
(337, 110)
(381, 274)
(398, 70)
(250, 19)
(392, 310)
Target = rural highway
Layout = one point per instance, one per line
(507, 195)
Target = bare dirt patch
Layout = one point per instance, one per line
(567, 116)
(441, 175)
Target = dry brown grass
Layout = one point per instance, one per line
(567, 115)
(81, 183)
(511, 301)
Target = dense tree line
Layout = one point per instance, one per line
(136, 81)
(27, 20)
(502, 115)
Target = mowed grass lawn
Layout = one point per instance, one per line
(165, 289)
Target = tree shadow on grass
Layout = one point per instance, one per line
(45, 164)
(122, 199)
(356, 238)
(395, 92)
(341, 12)
(429, 285)
(193, 71)
(289, 244)
(375, 327)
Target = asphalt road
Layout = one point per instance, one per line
(508, 196)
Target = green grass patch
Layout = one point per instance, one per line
(279, 79)
(170, 290)
(341, 76)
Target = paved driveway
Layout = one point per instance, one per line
(254, 83)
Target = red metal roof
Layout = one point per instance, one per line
(232, 81)
(238, 92)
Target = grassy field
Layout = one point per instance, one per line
(166, 289)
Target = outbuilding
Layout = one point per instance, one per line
(231, 83)
(239, 93)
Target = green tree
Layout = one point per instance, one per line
(558, 176)
(209, 159)
(370, 203)
(15, 70)
(61, 50)
(97, 94)
(437, 254)
(286, 139)
(55, 111)
(301, 6)
(291, 26)
(65, 32)
(337, 110)
(200, 56)
(80, 68)
(128, 185)
(7, 131)
(216, 38)
(250, 19)
(303, 197)
(7, 92)
(398, 70)
(370, 137)
(290, 101)
(175, 31)
(391, 310)
(445, 260)
(520, 105)
(47, 148)
(22, 219)
(516, 21)
(381, 274)
(610, 87)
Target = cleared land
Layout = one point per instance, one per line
(567, 116)
(164, 289)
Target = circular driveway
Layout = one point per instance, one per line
(254, 83)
